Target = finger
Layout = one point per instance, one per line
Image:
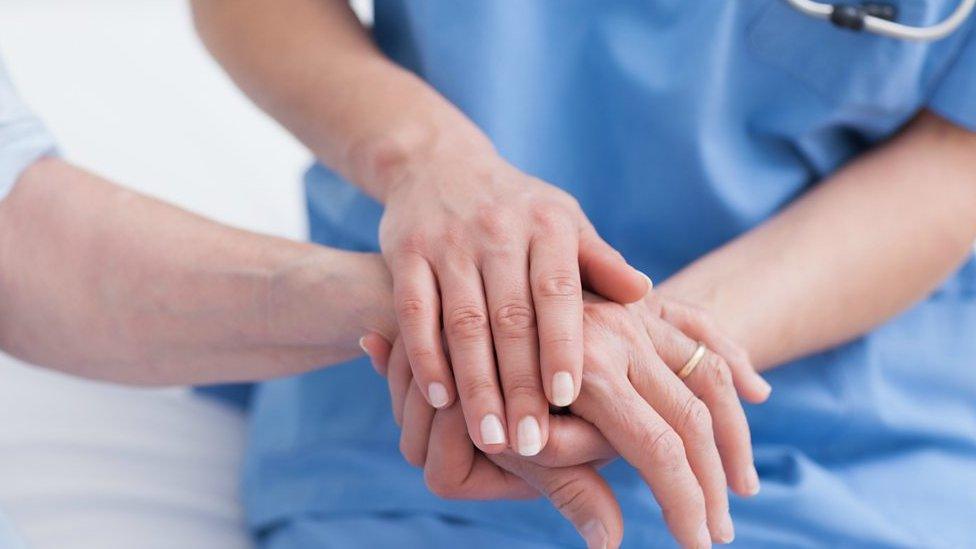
(418, 315)
(417, 418)
(580, 494)
(456, 470)
(517, 350)
(690, 418)
(711, 381)
(607, 273)
(468, 334)
(648, 443)
(558, 296)
(378, 351)
(399, 379)
(748, 383)
(573, 441)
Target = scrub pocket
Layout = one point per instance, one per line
(852, 69)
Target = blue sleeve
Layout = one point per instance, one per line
(23, 138)
(954, 97)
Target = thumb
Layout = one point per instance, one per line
(377, 348)
(605, 272)
(580, 494)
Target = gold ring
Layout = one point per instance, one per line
(692, 363)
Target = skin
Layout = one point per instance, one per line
(102, 282)
(660, 424)
(491, 257)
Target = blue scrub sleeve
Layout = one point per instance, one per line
(955, 95)
(23, 138)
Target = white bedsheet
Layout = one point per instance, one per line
(89, 465)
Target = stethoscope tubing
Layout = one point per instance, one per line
(883, 27)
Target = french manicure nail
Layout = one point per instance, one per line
(726, 532)
(562, 389)
(650, 283)
(492, 431)
(704, 537)
(437, 394)
(594, 534)
(752, 481)
(529, 436)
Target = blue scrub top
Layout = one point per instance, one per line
(652, 113)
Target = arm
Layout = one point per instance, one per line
(877, 236)
(102, 282)
(499, 255)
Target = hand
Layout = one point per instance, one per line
(437, 441)
(682, 443)
(500, 256)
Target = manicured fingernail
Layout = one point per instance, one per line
(650, 283)
(529, 436)
(752, 481)
(437, 394)
(562, 389)
(704, 537)
(362, 344)
(492, 431)
(726, 532)
(594, 534)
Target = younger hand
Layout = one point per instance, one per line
(501, 257)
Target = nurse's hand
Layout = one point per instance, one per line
(496, 261)
(659, 425)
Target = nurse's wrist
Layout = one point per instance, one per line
(409, 154)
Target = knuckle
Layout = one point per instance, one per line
(568, 494)
(695, 419)
(719, 375)
(514, 320)
(562, 284)
(521, 384)
(421, 356)
(664, 449)
(413, 242)
(493, 223)
(411, 309)
(477, 386)
(467, 322)
(549, 216)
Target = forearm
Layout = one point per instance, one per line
(312, 66)
(102, 282)
(861, 247)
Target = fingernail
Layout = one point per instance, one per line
(594, 534)
(766, 387)
(562, 389)
(726, 532)
(704, 537)
(752, 481)
(362, 344)
(650, 283)
(492, 431)
(529, 436)
(437, 394)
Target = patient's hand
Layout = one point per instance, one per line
(655, 421)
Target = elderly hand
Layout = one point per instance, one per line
(500, 257)
(657, 424)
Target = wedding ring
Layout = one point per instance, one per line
(692, 363)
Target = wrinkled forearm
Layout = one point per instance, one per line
(876, 237)
(102, 282)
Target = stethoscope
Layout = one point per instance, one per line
(879, 18)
